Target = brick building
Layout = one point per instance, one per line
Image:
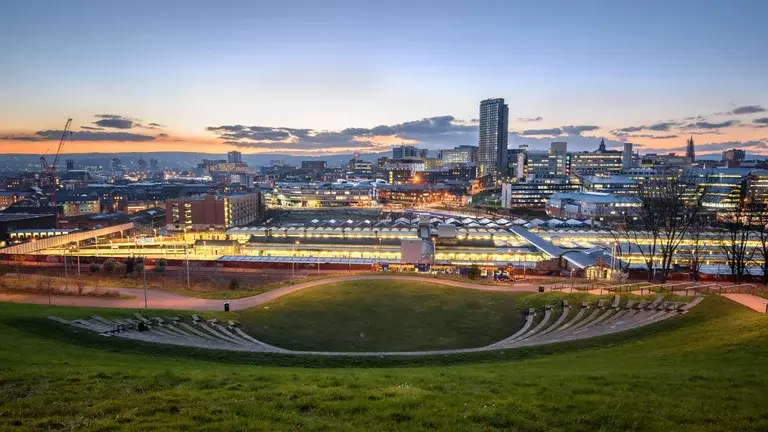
(211, 211)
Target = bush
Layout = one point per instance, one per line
(161, 265)
(234, 284)
(95, 268)
(474, 272)
(80, 284)
(110, 265)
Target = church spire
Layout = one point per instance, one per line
(601, 149)
(690, 152)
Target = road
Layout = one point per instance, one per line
(158, 299)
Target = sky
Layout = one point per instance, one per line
(313, 78)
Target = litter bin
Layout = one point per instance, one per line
(541, 289)
(226, 306)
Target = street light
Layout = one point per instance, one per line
(293, 261)
(186, 256)
(144, 272)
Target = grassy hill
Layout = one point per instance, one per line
(705, 371)
(371, 315)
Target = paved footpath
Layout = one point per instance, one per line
(159, 299)
(749, 300)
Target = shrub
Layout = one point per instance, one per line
(161, 265)
(95, 268)
(474, 272)
(80, 284)
(234, 284)
(110, 265)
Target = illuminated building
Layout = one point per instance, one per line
(211, 211)
(319, 195)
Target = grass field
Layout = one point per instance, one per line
(372, 315)
(705, 371)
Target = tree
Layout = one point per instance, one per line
(758, 217)
(669, 205)
(473, 272)
(234, 284)
(161, 265)
(95, 268)
(681, 207)
(138, 265)
(695, 252)
(733, 238)
(110, 265)
(642, 227)
(80, 284)
(130, 265)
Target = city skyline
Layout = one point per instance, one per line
(315, 80)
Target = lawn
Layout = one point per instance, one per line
(385, 315)
(705, 371)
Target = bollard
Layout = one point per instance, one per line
(226, 306)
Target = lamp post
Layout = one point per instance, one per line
(186, 256)
(293, 261)
(66, 274)
(144, 273)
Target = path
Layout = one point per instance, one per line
(751, 301)
(159, 299)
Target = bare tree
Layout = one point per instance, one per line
(734, 241)
(758, 218)
(669, 206)
(680, 201)
(642, 228)
(695, 253)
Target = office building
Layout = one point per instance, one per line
(559, 149)
(627, 162)
(534, 193)
(651, 160)
(465, 154)
(596, 162)
(492, 148)
(734, 155)
(587, 205)
(318, 195)
(360, 167)
(613, 184)
(404, 151)
(202, 212)
(314, 165)
(234, 157)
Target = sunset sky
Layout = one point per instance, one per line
(315, 77)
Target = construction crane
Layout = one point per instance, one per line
(48, 172)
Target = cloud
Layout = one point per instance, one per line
(91, 128)
(162, 135)
(661, 126)
(748, 109)
(530, 119)
(655, 137)
(657, 127)
(628, 129)
(710, 125)
(578, 130)
(431, 131)
(549, 132)
(114, 121)
(55, 135)
(761, 121)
